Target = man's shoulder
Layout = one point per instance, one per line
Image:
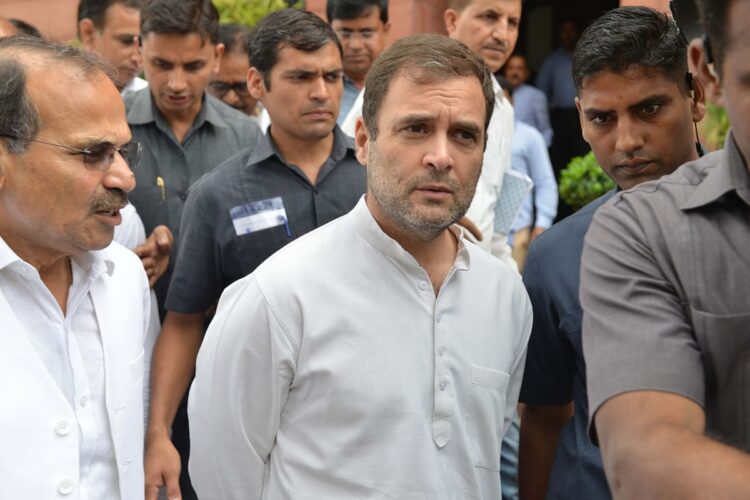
(565, 238)
(663, 198)
(531, 92)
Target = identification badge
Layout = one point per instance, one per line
(259, 215)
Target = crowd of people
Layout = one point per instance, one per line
(276, 262)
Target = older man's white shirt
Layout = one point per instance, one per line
(71, 384)
(333, 371)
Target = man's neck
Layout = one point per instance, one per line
(180, 122)
(307, 154)
(358, 80)
(435, 255)
(53, 266)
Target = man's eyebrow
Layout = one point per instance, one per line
(412, 119)
(467, 127)
(652, 99)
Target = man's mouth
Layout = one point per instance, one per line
(633, 166)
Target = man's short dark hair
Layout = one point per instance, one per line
(714, 16)
(20, 119)
(352, 9)
(293, 28)
(96, 10)
(234, 37)
(180, 17)
(424, 59)
(628, 36)
(25, 28)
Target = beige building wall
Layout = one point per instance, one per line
(56, 19)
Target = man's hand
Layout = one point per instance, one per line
(162, 467)
(154, 253)
(466, 223)
(536, 232)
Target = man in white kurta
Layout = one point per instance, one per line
(381, 355)
(74, 313)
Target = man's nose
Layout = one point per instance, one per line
(439, 156)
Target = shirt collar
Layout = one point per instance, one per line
(729, 175)
(267, 148)
(370, 230)
(92, 263)
(143, 110)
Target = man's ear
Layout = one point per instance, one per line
(255, 84)
(361, 141)
(87, 31)
(705, 72)
(450, 16)
(699, 100)
(580, 118)
(387, 27)
(218, 52)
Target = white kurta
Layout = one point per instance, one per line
(334, 372)
(71, 385)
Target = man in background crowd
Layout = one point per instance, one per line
(110, 28)
(530, 158)
(230, 83)
(529, 103)
(362, 27)
(665, 287)
(185, 131)
(638, 106)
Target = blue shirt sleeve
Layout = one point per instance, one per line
(550, 362)
(545, 186)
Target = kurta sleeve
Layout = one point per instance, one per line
(244, 370)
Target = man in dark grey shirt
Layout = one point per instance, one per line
(184, 131)
(302, 175)
(665, 288)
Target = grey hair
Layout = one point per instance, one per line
(20, 120)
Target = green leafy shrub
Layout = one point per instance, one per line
(715, 126)
(249, 12)
(583, 181)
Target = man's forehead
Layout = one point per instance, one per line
(309, 60)
(508, 7)
(635, 84)
(178, 46)
(118, 16)
(369, 16)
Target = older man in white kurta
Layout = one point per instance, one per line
(73, 316)
(381, 355)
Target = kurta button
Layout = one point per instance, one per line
(65, 487)
(62, 428)
(423, 285)
(441, 350)
(84, 400)
(437, 318)
(443, 385)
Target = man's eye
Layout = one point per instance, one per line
(466, 136)
(332, 77)
(600, 119)
(415, 129)
(650, 109)
(194, 67)
(367, 34)
(96, 154)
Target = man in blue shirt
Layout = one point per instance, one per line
(529, 103)
(362, 26)
(529, 157)
(638, 105)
